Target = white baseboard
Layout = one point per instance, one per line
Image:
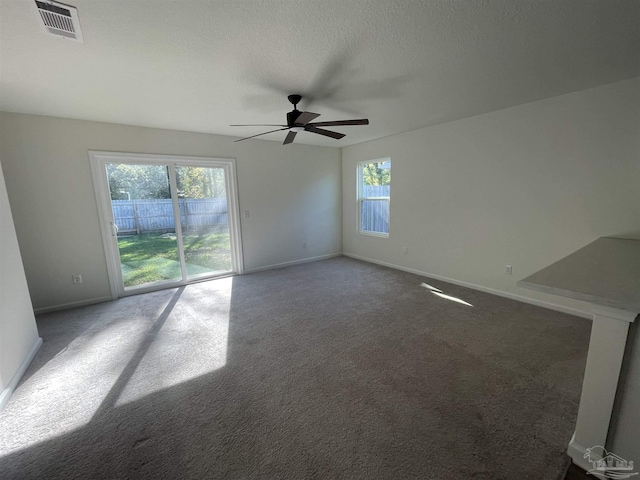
(65, 306)
(294, 262)
(8, 391)
(577, 453)
(500, 293)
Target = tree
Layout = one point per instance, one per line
(137, 181)
(376, 174)
(128, 182)
(200, 182)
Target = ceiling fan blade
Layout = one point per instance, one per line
(253, 136)
(321, 131)
(290, 136)
(306, 117)
(362, 121)
(258, 125)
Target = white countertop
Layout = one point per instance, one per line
(605, 272)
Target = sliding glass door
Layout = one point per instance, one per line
(166, 221)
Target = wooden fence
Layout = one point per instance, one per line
(376, 190)
(374, 216)
(156, 215)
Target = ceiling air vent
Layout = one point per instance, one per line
(60, 19)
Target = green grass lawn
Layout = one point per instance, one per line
(151, 257)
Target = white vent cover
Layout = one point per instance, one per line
(60, 19)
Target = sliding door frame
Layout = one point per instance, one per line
(98, 161)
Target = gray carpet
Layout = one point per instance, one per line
(336, 369)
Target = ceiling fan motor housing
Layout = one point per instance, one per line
(292, 116)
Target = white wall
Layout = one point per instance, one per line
(293, 194)
(18, 333)
(523, 186)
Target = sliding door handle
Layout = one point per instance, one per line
(114, 229)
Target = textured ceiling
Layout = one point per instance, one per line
(405, 64)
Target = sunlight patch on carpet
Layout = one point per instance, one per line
(452, 299)
(430, 287)
(439, 293)
(191, 342)
(66, 392)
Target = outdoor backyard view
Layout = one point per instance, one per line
(152, 257)
(374, 191)
(143, 213)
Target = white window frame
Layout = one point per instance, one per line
(361, 197)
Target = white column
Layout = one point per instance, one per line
(604, 360)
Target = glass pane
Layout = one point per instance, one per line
(376, 179)
(143, 213)
(375, 216)
(202, 196)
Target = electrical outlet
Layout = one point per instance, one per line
(405, 250)
(246, 214)
(77, 279)
(507, 269)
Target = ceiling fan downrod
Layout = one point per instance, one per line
(293, 115)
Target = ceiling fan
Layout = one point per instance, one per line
(298, 121)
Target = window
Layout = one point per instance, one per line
(374, 191)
